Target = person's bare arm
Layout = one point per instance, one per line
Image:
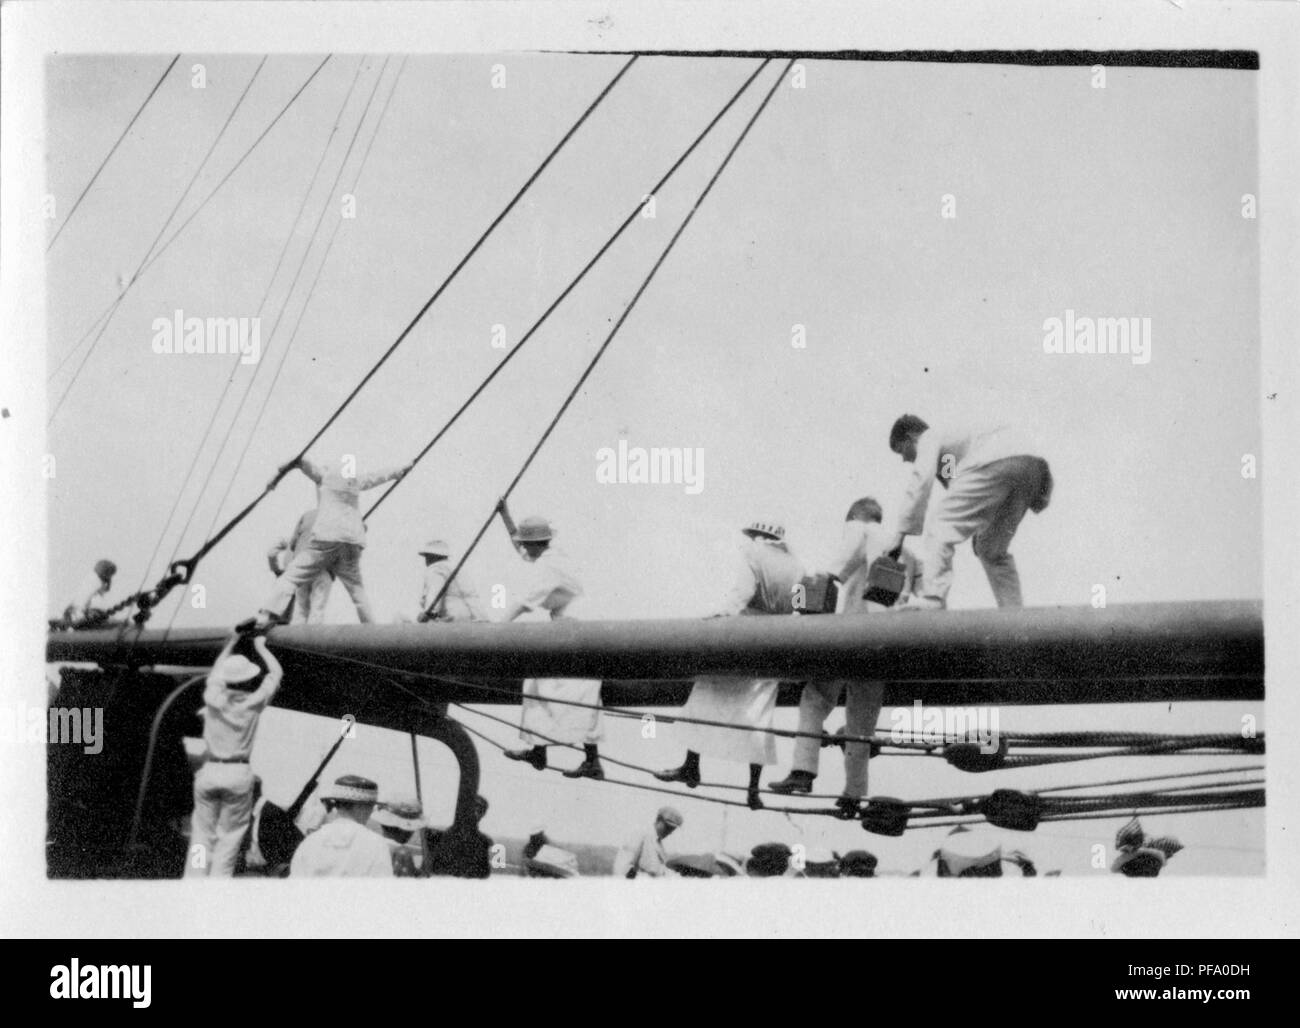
(284, 469)
(226, 650)
(503, 508)
(274, 672)
(380, 477)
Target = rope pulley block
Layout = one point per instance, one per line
(1012, 809)
(838, 739)
(975, 757)
(884, 815)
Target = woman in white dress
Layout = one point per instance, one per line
(764, 580)
(545, 590)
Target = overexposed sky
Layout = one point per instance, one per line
(1122, 201)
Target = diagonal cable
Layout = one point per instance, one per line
(173, 237)
(469, 400)
(181, 569)
(591, 366)
(102, 164)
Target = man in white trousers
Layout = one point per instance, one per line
(545, 588)
(990, 477)
(766, 574)
(236, 693)
(864, 539)
(338, 536)
(308, 597)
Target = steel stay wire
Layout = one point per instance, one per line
(293, 335)
(106, 315)
(173, 237)
(216, 410)
(107, 319)
(632, 712)
(311, 289)
(112, 150)
(622, 318)
(941, 807)
(181, 571)
(510, 354)
(326, 205)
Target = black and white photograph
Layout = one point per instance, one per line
(491, 443)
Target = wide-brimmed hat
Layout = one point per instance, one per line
(435, 548)
(237, 668)
(352, 789)
(771, 529)
(533, 530)
(407, 815)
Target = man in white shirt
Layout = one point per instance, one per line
(864, 539)
(236, 693)
(545, 589)
(345, 847)
(644, 852)
(337, 537)
(990, 478)
(459, 602)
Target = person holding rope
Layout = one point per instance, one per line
(337, 538)
(765, 578)
(545, 590)
(864, 539)
(236, 693)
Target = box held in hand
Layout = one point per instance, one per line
(885, 580)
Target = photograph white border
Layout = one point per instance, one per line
(32, 905)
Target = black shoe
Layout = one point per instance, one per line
(686, 774)
(799, 781)
(754, 800)
(847, 808)
(587, 769)
(535, 755)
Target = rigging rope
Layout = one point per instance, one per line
(185, 224)
(326, 204)
(966, 809)
(198, 451)
(311, 291)
(82, 195)
(144, 261)
(510, 354)
(613, 332)
(1054, 808)
(216, 409)
(180, 572)
(786, 733)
